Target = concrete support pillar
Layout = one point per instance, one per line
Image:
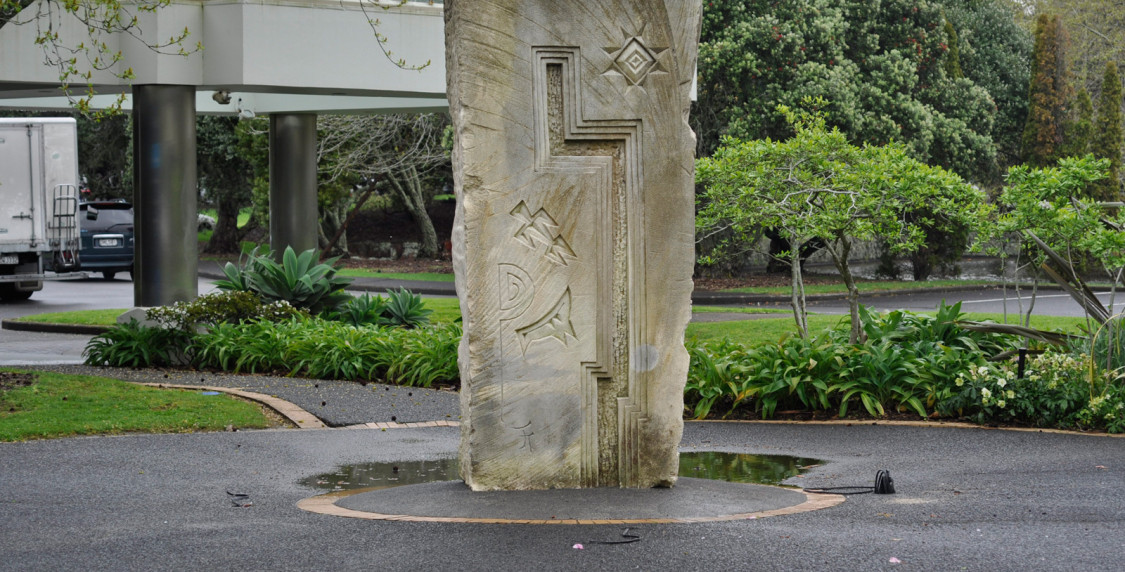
(166, 263)
(293, 210)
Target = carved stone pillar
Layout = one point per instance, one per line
(573, 244)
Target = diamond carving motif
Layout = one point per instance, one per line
(635, 61)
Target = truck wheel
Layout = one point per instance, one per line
(108, 275)
(8, 292)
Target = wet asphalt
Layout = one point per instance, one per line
(967, 499)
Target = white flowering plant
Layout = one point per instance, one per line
(1105, 410)
(1054, 389)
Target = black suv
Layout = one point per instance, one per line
(107, 237)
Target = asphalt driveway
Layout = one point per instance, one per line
(968, 499)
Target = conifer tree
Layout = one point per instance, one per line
(953, 59)
(1106, 141)
(1080, 129)
(1048, 94)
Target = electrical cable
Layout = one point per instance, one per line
(884, 485)
(629, 539)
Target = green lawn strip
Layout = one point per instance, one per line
(445, 310)
(875, 286)
(421, 276)
(83, 317)
(59, 405)
(737, 310)
(770, 330)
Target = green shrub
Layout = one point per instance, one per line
(1106, 410)
(221, 307)
(1055, 388)
(298, 279)
(360, 311)
(333, 350)
(134, 345)
(406, 309)
(908, 362)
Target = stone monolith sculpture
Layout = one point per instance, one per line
(573, 243)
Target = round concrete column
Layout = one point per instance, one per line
(293, 210)
(166, 263)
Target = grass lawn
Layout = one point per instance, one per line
(736, 310)
(749, 332)
(423, 276)
(58, 405)
(445, 310)
(83, 317)
(874, 286)
(769, 330)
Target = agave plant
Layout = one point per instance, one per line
(404, 308)
(298, 279)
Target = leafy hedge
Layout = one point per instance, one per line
(916, 363)
(308, 347)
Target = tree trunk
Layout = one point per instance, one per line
(840, 249)
(332, 224)
(226, 238)
(327, 244)
(408, 185)
(797, 287)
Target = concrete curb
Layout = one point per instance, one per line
(326, 504)
(921, 424)
(50, 328)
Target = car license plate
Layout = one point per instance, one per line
(107, 242)
(9, 259)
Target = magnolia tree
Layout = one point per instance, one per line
(1049, 209)
(817, 186)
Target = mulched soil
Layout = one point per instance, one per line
(12, 380)
(406, 265)
(757, 281)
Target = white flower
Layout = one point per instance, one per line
(1001, 383)
(1010, 394)
(1001, 403)
(985, 392)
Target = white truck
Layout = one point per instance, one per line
(38, 204)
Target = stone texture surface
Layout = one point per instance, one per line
(573, 242)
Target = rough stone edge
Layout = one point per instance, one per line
(299, 417)
(925, 424)
(326, 504)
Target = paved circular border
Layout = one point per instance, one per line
(326, 504)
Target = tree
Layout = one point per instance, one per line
(105, 153)
(995, 53)
(953, 60)
(1080, 127)
(1106, 142)
(1048, 94)
(397, 149)
(882, 65)
(1097, 35)
(817, 185)
(225, 178)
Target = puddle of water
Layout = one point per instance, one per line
(741, 468)
(732, 467)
